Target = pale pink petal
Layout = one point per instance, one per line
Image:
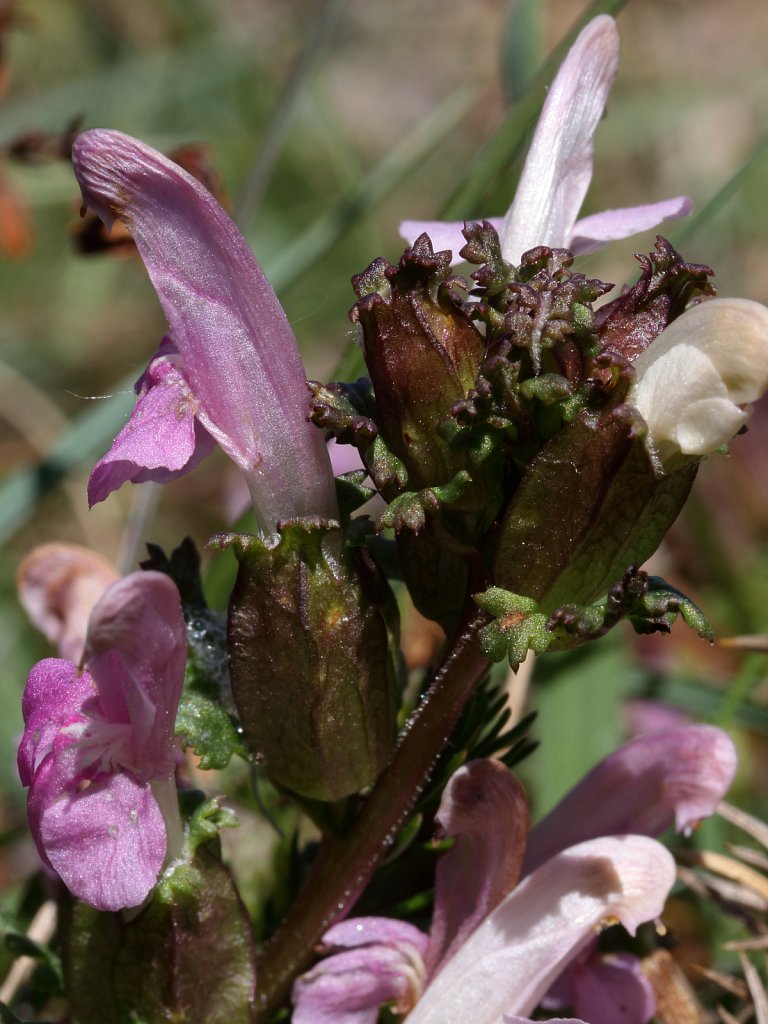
(590, 233)
(349, 987)
(345, 458)
(365, 931)
(442, 233)
(58, 585)
(508, 963)
(644, 715)
(136, 651)
(671, 776)
(53, 699)
(558, 167)
(613, 990)
(162, 439)
(485, 808)
(239, 353)
(548, 1020)
(107, 841)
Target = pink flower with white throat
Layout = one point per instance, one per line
(230, 371)
(558, 168)
(98, 753)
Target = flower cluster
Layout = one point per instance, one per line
(513, 908)
(529, 444)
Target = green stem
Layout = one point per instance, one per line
(344, 866)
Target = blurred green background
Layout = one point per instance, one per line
(329, 122)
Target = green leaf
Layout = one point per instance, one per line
(521, 47)
(206, 727)
(578, 696)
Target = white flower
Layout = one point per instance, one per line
(696, 381)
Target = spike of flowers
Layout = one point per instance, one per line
(97, 752)
(232, 369)
(558, 168)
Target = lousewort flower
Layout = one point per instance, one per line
(696, 381)
(558, 168)
(230, 371)
(497, 943)
(97, 751)
(58, 585)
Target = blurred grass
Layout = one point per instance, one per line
(396, 115)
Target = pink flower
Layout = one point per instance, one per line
(97, 751)
(58, 586)
(230, 371)
(558, 168)
(497, 942)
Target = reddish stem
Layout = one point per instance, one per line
(345, 865)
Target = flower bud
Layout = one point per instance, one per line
(695, 382)
(422, 352)
(588, 506)
(312, 667)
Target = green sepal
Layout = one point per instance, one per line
(588, 506)
(517, 627)
(409, 511)
(351, 493)
(649, 603)
(186, 956)
(546, 388)
(663, 603)
(313, 657)
(204, 820)
(387, 471)
(483, 248)
(346, 410)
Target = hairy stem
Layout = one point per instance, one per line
(345, 865)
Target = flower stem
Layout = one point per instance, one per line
(345, 865)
